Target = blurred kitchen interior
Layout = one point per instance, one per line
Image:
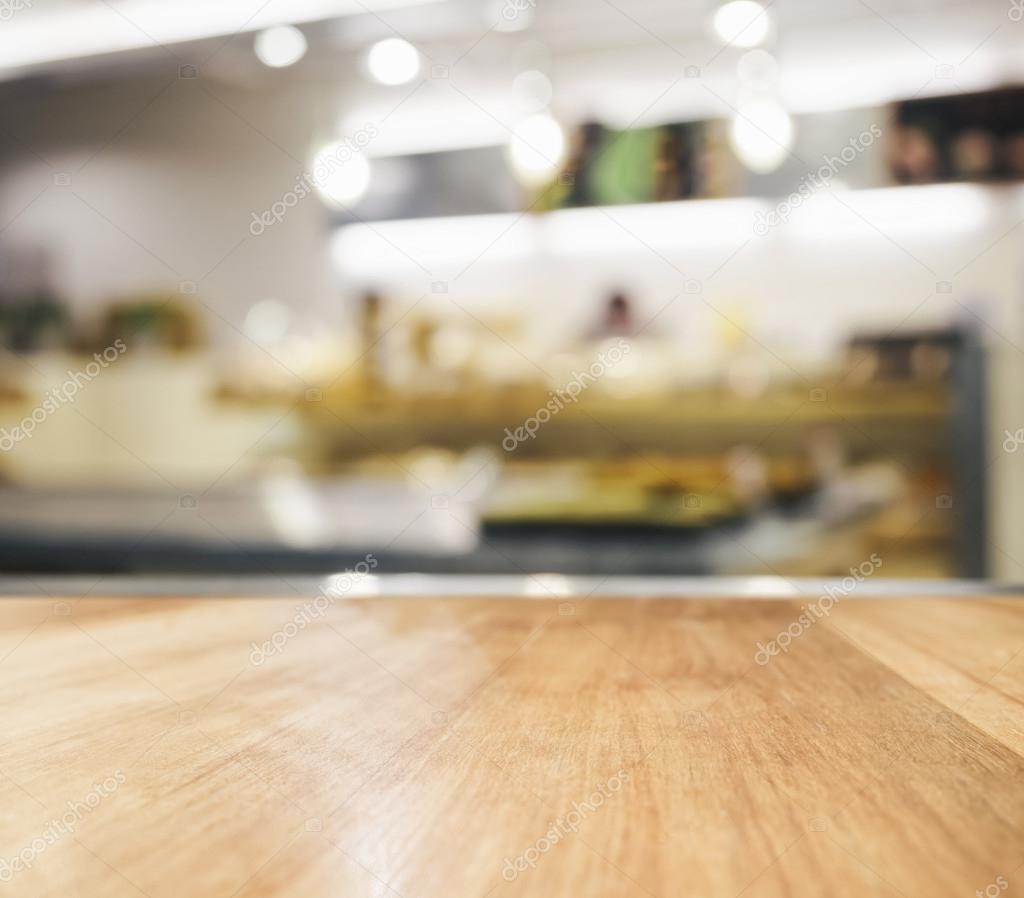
(332, 270)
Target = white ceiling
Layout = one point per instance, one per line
(605, 56)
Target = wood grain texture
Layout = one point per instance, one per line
(419, 747)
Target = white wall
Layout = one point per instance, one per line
(164, 177)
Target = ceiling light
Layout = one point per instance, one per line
(533, 90)
(341, 174)
(758, 69)
(393, 61)
(280, 46)
(761, 135)
(743, 23)
(267, 322)
(927, 212)
(372, 251)
(536, 150)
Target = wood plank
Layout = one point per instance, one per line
(511, 747)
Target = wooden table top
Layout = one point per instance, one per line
(470, 747)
